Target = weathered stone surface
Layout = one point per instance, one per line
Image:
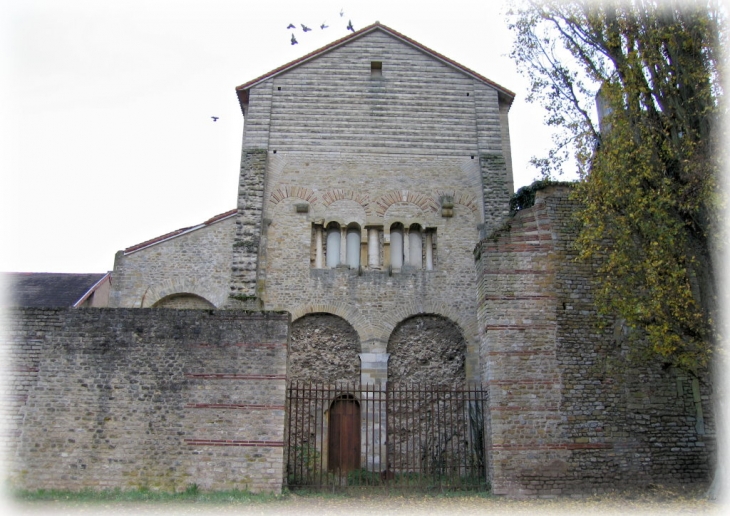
(324, 349)
(427, 350)
(570, 410)
(163, 399)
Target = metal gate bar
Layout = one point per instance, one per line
(410, 436)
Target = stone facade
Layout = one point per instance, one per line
(370, 171)
(569, 410)
(162, 399)
(412, 162)
(190, 267)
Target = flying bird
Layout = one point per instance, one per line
(305, 28)
(323, 26)
(215, 118)
(291, 26)
(349, 26)
(342, 12)
(293, 40)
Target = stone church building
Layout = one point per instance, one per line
(372, 243)
(370, 170)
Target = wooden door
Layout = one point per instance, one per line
(344, 435)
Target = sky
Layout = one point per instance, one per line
(105, 108)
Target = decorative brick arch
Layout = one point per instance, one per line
(464, 198)
(348, 313)
(384, 202)
(300, 192)
(341, 194)
(467, 324)
(173, 286)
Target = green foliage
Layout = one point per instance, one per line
(650, 167)
(525, 196)
(191, 493)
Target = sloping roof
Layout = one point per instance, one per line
(46, 289)
(178, 232)
(243, 89)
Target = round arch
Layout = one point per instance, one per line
(323, 348)
(177, 286)
(184, 300)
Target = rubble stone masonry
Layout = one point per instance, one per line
(158, 399)
(570, 410)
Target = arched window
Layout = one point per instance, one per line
(415, 247)
(333, 244)
(396, 246)
(353, 246)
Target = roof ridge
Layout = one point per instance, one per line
(180, 231)
(242, 89)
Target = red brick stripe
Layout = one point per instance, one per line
(231, 442)
(520, 327)
(558, 446)
(231, 376)
(237, 406)
(515, 271)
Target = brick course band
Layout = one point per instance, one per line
(227, 376)
(236, 406)
(229, 442)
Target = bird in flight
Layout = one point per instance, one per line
(342, 12)
(323, 26)
(293, 40)
(305, 28)
(349, 26)
(215, 118)
(291, 26)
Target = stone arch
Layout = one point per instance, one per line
(427, 349)
(323, 348)
(344, 194)
(348, 313)
(299, 192)
(465, 199)
(178, 286)
(466, 320)
(345, 212)
(384, 202)
(184, 300)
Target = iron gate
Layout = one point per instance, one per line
(406, 436)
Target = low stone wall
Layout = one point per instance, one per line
(570, 410)
(156, 398)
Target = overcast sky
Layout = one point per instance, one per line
(106, 108)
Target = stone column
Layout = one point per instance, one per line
(319, 256)
(373, 251)
(374, 371)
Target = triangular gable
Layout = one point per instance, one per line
(179, 232)
(243, 89)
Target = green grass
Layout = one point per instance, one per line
(194, 495)
(191, 494)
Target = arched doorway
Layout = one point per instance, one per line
(343, 444)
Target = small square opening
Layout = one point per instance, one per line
(376, 68)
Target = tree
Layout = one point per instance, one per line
(649, 162)
(649, 167)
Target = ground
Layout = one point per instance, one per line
(658, 500)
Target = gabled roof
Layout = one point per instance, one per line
(47, 289)
(243, 89)
(178, 232)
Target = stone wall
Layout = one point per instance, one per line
(197, 262)
(570, 411)
(323, 348)
(158, 398)
(427, 350)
